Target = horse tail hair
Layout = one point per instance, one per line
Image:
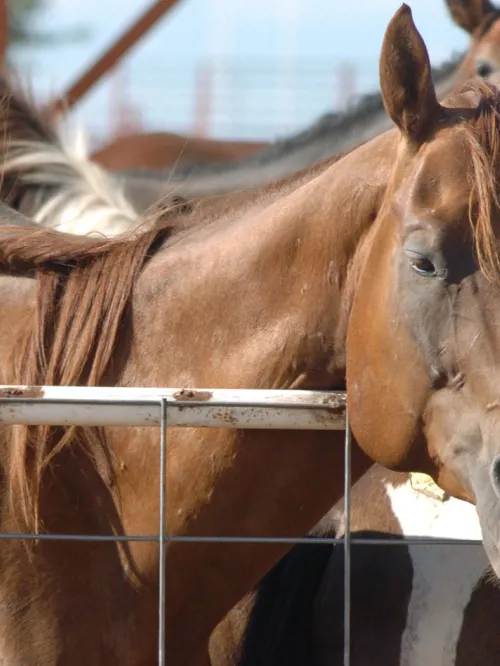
(280, 625)
(41, 157)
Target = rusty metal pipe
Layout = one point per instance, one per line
(110, 57)
(4, 31)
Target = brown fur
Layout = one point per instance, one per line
(75, 264)
(83, 289)
(295, 615)
(481, 133)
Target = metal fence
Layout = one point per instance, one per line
(215, 408)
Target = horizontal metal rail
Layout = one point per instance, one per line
(195, 408)
(148, 538)
(226, 408)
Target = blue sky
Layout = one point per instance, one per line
(263, 36)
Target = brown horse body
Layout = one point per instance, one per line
(164, 150)
(204, 581)
(330, 275)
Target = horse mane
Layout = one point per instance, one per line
(482, 136)
(83, 289)
(42, 158)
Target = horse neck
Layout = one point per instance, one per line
(271, 280)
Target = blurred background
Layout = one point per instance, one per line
(246, 69)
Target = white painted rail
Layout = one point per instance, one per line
(199, 408)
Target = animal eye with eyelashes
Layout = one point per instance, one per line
(421, 264)
(484, 69)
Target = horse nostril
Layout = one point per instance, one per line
(495, 474)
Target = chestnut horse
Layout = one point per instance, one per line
(46, 178)
(410, 604)
(163, 150)
(377, 273)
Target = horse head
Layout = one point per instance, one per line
(423, 345)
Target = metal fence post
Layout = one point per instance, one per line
(347, 544)
(162, 533)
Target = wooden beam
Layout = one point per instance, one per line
(109, 58)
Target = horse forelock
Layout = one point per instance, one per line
(483, 143)
(84, 286)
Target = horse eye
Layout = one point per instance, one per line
(484, 69)
(422, 266)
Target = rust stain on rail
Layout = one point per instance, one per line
(224, 416)
(22, 392)
(192, 395)
(335, 403)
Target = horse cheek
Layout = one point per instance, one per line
(388, 384)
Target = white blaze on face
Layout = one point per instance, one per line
(444, 577)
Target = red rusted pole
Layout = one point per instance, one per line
(4, 32)
(112, 55)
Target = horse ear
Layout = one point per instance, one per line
(406, 79)
(469, 14)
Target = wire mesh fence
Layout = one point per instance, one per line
(165, 408)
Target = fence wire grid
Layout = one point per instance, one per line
(163, 538)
